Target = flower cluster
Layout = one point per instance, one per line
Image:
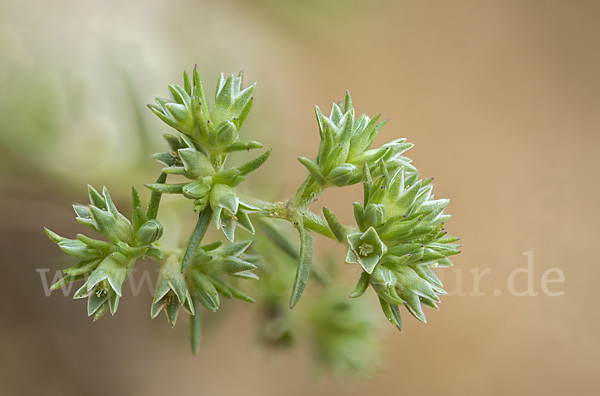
(106, 264)
(345, 147)
(400, 239)
(199, 153)
(210, 263)
(217, 130)
(202, 281)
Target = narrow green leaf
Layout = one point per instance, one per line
(316, 223)
(82, 292)
(348, 102)
(252, 165)
(242, 145)
(94, 243)
(235, 249)
(303, 270)
(135, 198)
(245, 275)
(361, 286)
(166, 188)
(66, 280)
(397, 317)
(206, 292)
(367, 184)
(390, 295)
(233, 264)
(113, 303)
(96, 199)
(83, 267)
(101, 311)
(84, 213)
(164, 158)
(54, 237)
(244, 112)
(358, 215)
(221, 287)
(392, 315)
(313, 169)
(112, 208)
(240, 295)
(413, 304)
(336, 227)
(199, 91)
(186, 83)
(78, 249)
(224, 94)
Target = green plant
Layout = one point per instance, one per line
(397, 241)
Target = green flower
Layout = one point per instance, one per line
(106, 264)
(227, 219)
(365, 249)
(171, 291)
(103, 288)
(204, 277)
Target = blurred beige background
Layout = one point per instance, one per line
(500, 98)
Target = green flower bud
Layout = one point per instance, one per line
(198, 189)
(374, 215)
(341, 175)
(226, 133)
(149, 232)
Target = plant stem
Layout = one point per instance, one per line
(155, 197)
(285, 211)
(201, 226)
(308, 193)
(196, 328)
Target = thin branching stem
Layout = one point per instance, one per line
(201, 226)
(155, 197)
